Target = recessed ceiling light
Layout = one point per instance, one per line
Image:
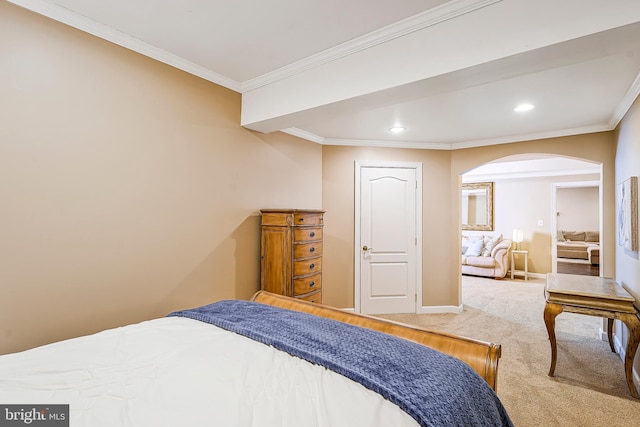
(397, 129)
(523, 107)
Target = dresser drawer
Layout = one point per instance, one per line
(307, 284)
(305, 234)
(308, 266)
(277, 219)
(307, 218)
(315, 297)
(306, 250)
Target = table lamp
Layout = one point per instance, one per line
(517, 238)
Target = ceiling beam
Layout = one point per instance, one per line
(397, 69)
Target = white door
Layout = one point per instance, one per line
(387, 247)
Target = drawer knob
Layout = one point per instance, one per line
(312, 249)
(301, 219)
(312, 234)
(312, 284)
(312, 265)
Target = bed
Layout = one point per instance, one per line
(271, 361)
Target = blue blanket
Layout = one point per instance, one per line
(432, 387)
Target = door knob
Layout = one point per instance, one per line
(366, 248)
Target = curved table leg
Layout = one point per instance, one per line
(552, 310)
(610, 334)
(632, 322)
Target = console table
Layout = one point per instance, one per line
(593, 296)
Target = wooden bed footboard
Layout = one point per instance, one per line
(481, 356)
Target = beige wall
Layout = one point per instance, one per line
(441, 210)
(628, 164)
(596, 147)
(128, 187)
(521, 203)
(577, 208)
(338, 192)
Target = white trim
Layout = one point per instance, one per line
(625, 103)
(447, 145)
(529, 275)
(435, 309)
(619, 347)
(414, 23)
(534, 275)
(358, 165)
(554, 220)
(386, 144)
(300, 133)
(401, 28)
(441, 309)
(102, 31)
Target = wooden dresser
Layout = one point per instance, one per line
(291, 253)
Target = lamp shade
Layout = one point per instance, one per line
(517, 238)
(517, 235)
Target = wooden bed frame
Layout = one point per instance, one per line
(481, 356)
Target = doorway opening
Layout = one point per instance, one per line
(525, 199)
(576, 248)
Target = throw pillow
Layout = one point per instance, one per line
(574, 236)
(468, 240)
(475, 248)
(560, 236)
(490, 244)
(591, 236)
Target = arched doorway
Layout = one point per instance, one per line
(525, 199)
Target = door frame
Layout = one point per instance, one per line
(359, 165)
(554, 220)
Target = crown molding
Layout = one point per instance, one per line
(426, 19)
(387, 144)
(401, 28)
(446, 145)
(625, 103)
(532, 136)
(80, 22)
(300, 133)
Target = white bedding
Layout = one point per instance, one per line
(177, 371)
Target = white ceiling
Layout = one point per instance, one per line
(345, 71)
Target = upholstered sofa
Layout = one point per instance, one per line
(485, 255)
(579, 245)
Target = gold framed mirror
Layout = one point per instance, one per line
(477, 206)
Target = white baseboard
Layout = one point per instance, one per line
(441, 309)
(622, 351)
(520, 277)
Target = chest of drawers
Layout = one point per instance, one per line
(291, 253)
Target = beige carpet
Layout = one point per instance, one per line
(589, 388)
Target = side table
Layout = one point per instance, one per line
(593, 296)
(524, 272)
